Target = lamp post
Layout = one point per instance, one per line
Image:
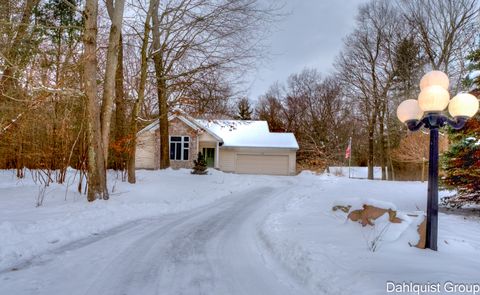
(427, 112)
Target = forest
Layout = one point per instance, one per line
(80, 78)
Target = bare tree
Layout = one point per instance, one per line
(314, 109)
(193, 36)
(269, 108)
(97, 183)
(115, 10)
(367, 71)
(209, 96)
(140, 95)
(446, 30)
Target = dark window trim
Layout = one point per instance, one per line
(183, 140)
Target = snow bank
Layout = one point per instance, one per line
(355, 172)
(335, 256)
(66, 216)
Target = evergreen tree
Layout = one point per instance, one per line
(408, 65)
(462, 161)
(474, 65)
(244, 109)
(200, 165)
(462, 164)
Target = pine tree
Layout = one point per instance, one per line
(200, 165)
(244, 110)
(474, 65)
(462, 161)
(461, 164)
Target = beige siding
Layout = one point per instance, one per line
(227, 160)
(145, 153)
(206, 137)
(292, 167)
(258, 161)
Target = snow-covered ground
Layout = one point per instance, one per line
(65, 216)
(177, 233)
(334, 256)
(355, 172)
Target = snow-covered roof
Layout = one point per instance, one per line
(236, 133)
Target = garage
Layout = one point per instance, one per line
(262, 164)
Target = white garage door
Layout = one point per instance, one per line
(262, 164)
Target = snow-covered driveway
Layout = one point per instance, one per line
(214, 249)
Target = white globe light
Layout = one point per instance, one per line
(433, 99)
(463, 105)
(436, 78)
(409, 110)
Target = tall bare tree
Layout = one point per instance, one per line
(194, 36)
(367, 70)
(115, 10)
(446, 30)
(97, 182)
(140, 94)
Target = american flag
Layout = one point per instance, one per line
(349, 149)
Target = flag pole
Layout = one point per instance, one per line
(350, 158)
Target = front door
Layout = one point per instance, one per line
(209, 154)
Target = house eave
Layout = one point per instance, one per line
(260, 147)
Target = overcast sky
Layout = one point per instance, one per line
(310, 36)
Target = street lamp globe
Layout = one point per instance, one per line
(409, 110)
(463, 105)
(433, 99)
(432, 78)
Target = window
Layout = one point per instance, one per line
(179, 148)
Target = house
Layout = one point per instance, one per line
(228, 145)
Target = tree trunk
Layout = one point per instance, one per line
(371, 143)
(163, 118)
(139, 102)
(116, 16)
(161, 89)
(97, 185)
(383, 150)
(120, 114)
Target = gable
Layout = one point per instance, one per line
(205, 136)
(179, 120)
(180, 127)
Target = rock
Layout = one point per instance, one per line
(369, 213)
(422, 232)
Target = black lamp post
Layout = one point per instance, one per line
(427, 112)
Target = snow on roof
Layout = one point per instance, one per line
(236, 133)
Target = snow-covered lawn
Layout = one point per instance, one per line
(66, 216)
(319, 248)
(331, 255)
